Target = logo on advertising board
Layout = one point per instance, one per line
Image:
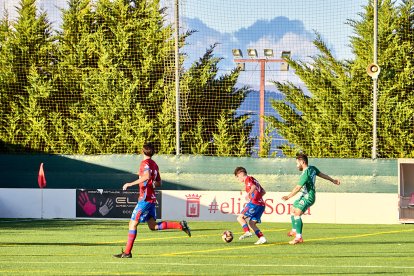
(102, 203)
(193, 205)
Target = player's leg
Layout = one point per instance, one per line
(298, 222)
(136, 217)
(164, 225)
(254, 220)
(132, 234)
(300, 206)
(152, 224)
(292, 232)
(242, 221)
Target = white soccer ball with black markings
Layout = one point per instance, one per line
(227, 236)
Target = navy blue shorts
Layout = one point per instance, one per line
(253, 211)
(144, 211)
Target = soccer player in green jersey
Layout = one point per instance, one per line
(307, 199)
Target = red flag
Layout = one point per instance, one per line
(41, 179)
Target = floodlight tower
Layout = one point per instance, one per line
(253, 57)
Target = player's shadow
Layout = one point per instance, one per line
(54, 224)
(6, 244)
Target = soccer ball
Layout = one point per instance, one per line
(227, 236)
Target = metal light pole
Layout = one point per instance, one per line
(177, 81)
(262, 62)
(375, 71)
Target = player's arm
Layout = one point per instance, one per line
(293, 192)
(252, 189)
(140, 180)
(327, 177)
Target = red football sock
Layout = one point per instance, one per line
(169, 225)
(258, 233)
(132, 234)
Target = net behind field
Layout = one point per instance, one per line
(98, 77)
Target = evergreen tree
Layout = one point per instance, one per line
(213, 99)
(8, 125)
(336, 119)
(118, 55)
(27, 51)
(105, 84)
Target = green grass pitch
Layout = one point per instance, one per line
(85, 247)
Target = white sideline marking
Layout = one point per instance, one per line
(215, 264)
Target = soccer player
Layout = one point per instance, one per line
(149, 179)
(307, 199)
(254, 209)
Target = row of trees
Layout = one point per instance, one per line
(104, 83)
(336, 120)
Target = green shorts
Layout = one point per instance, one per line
(303, 204)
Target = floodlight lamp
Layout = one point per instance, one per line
(241, 66)
(268, 52)
(252, 52)
(285, 54)
(237, 53)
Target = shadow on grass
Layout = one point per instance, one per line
(12, 244)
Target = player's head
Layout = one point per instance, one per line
(301, 161)
(240, 173)
(148, 149)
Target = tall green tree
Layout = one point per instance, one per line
(118, 56)
(27, 52)
(213, 99)
(8, 125)
(105, 84)
(334, 118)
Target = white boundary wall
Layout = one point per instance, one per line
(37, 203)
(351, 208)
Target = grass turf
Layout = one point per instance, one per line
(85, 247)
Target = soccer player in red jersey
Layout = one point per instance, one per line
(149, 179)
(254, 209)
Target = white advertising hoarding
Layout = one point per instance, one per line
(352, 208)
(329, 207)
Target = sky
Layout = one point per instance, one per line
(227, 17)
(326, 16)
(279, 25)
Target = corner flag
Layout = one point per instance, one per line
(41, 179)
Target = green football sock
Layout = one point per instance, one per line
(292, 219)
(298, 225)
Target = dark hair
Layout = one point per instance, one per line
(303, 157)
(148, 149)
(238, 170)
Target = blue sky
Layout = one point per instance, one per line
(279, 25)
(230, 16)
(325, 16)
